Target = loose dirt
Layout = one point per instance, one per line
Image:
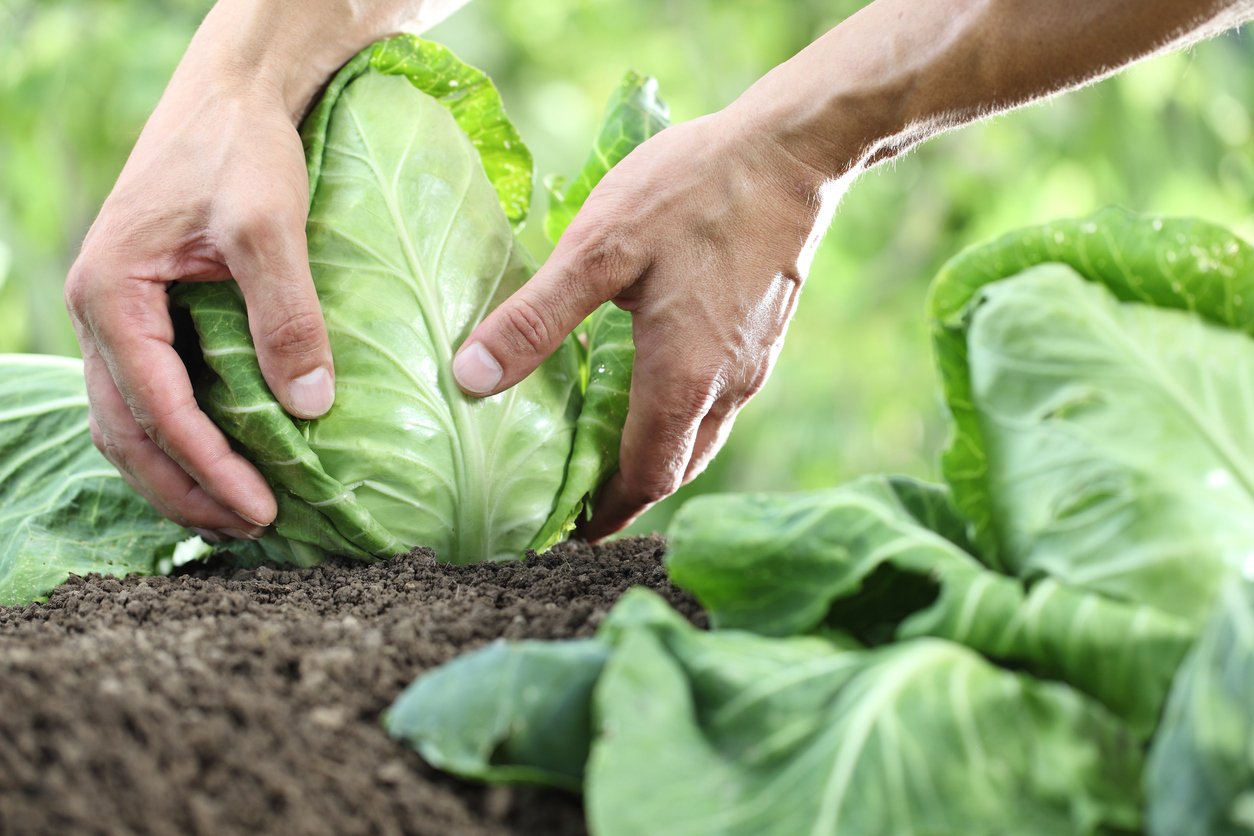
(228, 701)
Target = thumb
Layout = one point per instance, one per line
(529, 326)
(285, 318)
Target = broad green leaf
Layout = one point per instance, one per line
(866, 559)
(1168, 263)
(64, 509)
(599, 430)
(1118, 439)
(1123, 655)
(468, 94)
(1199, 777)
(729, 733)
(512, 711)
(476, 105)
(774, 563)
(634, 113)
(409, 249)
(237, 398)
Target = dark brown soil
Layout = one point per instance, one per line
(228, 701)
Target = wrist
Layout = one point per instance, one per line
(269, 52)
(282, 52)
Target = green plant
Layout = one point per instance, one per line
(985, 657)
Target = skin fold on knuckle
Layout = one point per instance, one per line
(82, 292)
(118, 453)
(605, 258)
(527, 332)
(294, 336)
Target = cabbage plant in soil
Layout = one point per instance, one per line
(418, 183)
(416, 176)
(986, 656)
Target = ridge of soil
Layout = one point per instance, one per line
(231, 701)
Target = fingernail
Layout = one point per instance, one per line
(207, 535)
(250, 520)
(476, 370)
(312, 394)
(239, 535)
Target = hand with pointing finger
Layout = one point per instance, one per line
(705, 249)
(705, 231)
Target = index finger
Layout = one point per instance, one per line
(588, 267)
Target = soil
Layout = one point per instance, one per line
(228, 701)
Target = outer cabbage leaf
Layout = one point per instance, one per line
(64, 509)
(1168, 263)
(512, 711)
(730, 733)
(599, 430)
(774, 563)
(727, 732)
(1123, 655)
(862, 559)
(634, 113)
(465, 90)
(409, 249)
(1118, 439)
(1199, 778)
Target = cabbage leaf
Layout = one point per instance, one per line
(64, 509)
(1096, 497)
(729, 733)
(1199, 777)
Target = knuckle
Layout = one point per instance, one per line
(529, 332)
(98, 437)
(258, 223)
(295, 334)
(607, 260)
(698, 393)
(152, 419)
(114, 452)
(79, 290)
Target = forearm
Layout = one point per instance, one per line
(900, 71)
(287, 49)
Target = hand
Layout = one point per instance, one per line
(702, 233)
(215, 189)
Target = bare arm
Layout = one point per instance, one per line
(216, 188)
(705, 233)
(898, 72)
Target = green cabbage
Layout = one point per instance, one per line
(417, 179)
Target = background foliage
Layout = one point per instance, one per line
(854, 390)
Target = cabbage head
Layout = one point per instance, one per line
(418, 184)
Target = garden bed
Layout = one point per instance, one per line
(228, 701)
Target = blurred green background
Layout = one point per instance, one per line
(853, 391)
